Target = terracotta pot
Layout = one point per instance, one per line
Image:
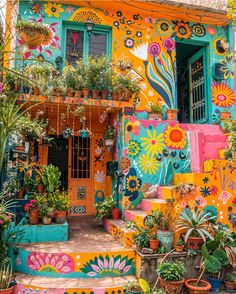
(60, 217)
(104, 94)
(154, 244)
(33, 40)
(85, 93)
(229, 285)
(78, 94)
(225, 115)
(7, 291)
(33, 217)
(179, 248)
(70, 93)
(115, 96)
(115, 213)
(126, 95)
(195, 243)
(20, 194)
(155, 116)
(36, 91)
(16, 88)
(171, 114)
(95, 94)
(203, 287)
(171, 287)
(47, 220)
(40, 188)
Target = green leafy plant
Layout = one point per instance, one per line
(231, 277)
(180, 242)
(5, 277)
(51, 177)
(104, 209)
(59, 200)
(32, 28)
(45, 209)
(152, 220)
(70, 77)
(195, 223)
(171, 271)
(156, 108)
(30, 183)
(141, 237)
(110, 133)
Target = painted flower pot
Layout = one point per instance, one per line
(171, 114)
(7, 291)
(155, 116)
(20, 194)
(229, 286)
(195, 243)
(60, 217)
(47, 220)
(104, 94)
(109, 142)
(84, 134)
(225, 115)
(85, 93)
(215, 284)
(154, 244)
(95, 94)
(33, 217)
(179, 248)
(171, 287)
(203, 287)
(115, 213)
(115, 96)
(166, 239)
(40, 188)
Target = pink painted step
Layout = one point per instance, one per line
(148, 205)
(42, 285)
(135, 215)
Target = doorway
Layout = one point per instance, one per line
(191, 82)
(58, 156)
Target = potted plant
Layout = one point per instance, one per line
(225, 114)
(51, 177)
(60, 202)
(171, 276)
(197, 286)
(30, 184)
(67, 133)
(166, 221)
(6, 279)
(79, 86)
(84, 132)
(82, 69)
(39, 186)
(105, 82)
(230, 282)
(139, 287)
(33, 34)
(141, 238)
(179, 246)
(196, 226)
(151, 221)
(70, 79)
(105, 208)
(156, 112)
(33, 212)
(171, 113)
(46, 213)
(230, 152)
(57, 85)
(109, 136)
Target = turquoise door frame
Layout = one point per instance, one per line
(200, 105)
(205, 51)
(106, 30)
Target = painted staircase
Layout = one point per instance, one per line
(90, 262)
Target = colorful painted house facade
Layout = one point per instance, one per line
(180, 57)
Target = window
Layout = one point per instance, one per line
(79, 44)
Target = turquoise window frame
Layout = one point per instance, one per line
(81, 27)
(207, 73)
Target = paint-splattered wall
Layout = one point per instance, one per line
(149, 43)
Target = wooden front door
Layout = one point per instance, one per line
(81, 175)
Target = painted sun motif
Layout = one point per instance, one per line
(148, 164)
(153, 144)
(53, 9)
(175, 137)
(222, 95)
(182, 29)
(133, 148)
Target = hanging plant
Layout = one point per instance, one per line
(33, 34)
(84, 132)
(109, 137)
(67, 133)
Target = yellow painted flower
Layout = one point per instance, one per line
(53, 9)
(144, 285)
(153, 144)
(148, 164)
(175, 137)
(222, 95)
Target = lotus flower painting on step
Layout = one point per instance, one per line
(108, 266)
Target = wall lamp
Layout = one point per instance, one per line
(89, 24)
(224, 45)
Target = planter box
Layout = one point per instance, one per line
(38, 233)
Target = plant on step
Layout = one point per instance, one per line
(104, 209)
(59, 200)
(30, 183)
(195, 224)
(153, 220)
(141, 238)
(171, 271)
(230, 152)
(156, 108)
(51, 177)
(5, 277)
(45, 208)
(141, 286)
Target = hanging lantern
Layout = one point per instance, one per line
(67, 133)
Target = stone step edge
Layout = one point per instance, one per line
(46, 283)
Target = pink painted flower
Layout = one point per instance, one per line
(213, 190)
(200, 201)
(211, 30)
(234, 202)
(160, 61)
(69, 9)
(1, 87)
(56, 262)
(1, 222)
(154, 49)
(169, 44)
(225, 196)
